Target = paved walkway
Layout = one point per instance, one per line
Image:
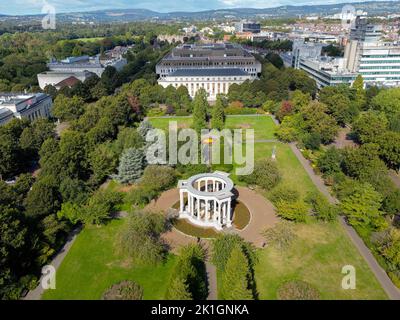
(212, 281)
(262, 216)
(392, 291)
(36, 294)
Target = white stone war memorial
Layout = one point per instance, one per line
(205, 200)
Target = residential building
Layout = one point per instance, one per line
(213, 67)
(30, 106)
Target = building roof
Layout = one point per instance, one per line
(5, 113)
(68, 82)
(208, 72)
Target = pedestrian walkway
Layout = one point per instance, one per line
(36, 294)
(212, 281)
(391, 290)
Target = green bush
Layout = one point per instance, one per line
(140, 238)
(188, 277)
(281, 235)
(284, 192)
(294, 211)
(297, 290)
(124, 290)
(223, 245)
(265, 174)
(158, 178)
(232, 110)
(321, 208)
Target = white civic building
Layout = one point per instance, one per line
(205, 200)
(213, 67)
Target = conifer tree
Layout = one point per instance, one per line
(178, 290)
(218, 114)
(200, 105)
(131, 165)
(144, 128)
(235, 285)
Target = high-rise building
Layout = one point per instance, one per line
(213, 67)
(365, 54)
(248, 26)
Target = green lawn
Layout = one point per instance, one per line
(291, 169)
(264, 126)
(163, 123)
(317, 257)
(92, 265)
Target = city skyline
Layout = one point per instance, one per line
(27, 7)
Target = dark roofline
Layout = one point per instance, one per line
(219, 72)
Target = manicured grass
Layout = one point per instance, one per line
(316, 256)
(187, 228)
(92, 265)
(163, 123)
(264, 126)
(291, 169)
(241, 216)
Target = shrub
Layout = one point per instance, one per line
(297, 290)
(223, 245)
(124, 290)
(265, 174)
(312, 141)
(140, 238)
(294, 211)
(284, 192)
(158, 178)
(321, 208)
(235, 279)
(389, 248)
(141, 195)
(188, 277)
(281, 235)
(234, 110)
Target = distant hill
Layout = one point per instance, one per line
(126, 15)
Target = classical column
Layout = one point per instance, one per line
(198, 208)
(189, 208)
(223, 213)
(181, 202)
(229, 216)
(206, 211)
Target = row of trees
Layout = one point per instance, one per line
(39, 212)
(358, 174)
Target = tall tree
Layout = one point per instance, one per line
(362, 207)
(66, 109)
(235, 284)
(361, 96)
(131, 166)
(200, 105)
(218, 114)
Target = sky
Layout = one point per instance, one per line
(23, 7)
